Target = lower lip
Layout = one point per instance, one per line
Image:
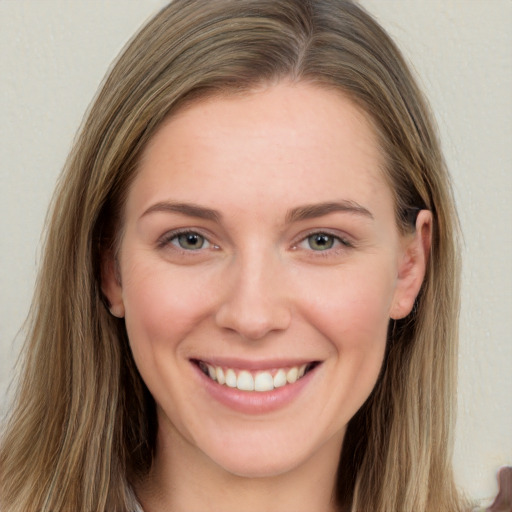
(255, 402)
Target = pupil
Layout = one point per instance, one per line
(321, 241)
(191, 241)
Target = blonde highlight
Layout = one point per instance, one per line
(82, 407)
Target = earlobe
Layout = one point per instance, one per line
(111, 286)
(412, 267)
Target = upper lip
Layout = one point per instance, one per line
(253, 364)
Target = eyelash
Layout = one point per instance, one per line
(340, 244)
(168, 238)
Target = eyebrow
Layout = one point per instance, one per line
(299, 213)
(188, 209)
(319, 210)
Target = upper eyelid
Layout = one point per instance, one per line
(170, 235)
(340, 245)
(180, 231)
(342, 236)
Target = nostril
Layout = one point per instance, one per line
(252, 322)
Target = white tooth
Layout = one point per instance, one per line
(302, 371)
(219, 372)
(292, 375)
(263, 382)
(245, 381)
(211, 372)
(230, 378)
(279, 379)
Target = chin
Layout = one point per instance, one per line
(267, 453)
(257, 467)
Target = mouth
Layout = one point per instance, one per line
(255, 380)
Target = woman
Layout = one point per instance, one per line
(249, 293)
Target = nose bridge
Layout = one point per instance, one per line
(255, 303)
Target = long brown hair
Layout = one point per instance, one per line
(83, 423)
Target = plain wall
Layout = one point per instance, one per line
(54, 53)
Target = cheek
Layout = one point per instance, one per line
(351, 305)
(162, 305)
(348, 306)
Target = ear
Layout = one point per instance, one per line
(111, 285)
(412, 266)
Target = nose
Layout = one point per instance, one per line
(255, 302)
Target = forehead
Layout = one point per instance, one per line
(287, 141)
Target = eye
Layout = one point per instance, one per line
(188, 241)
(320, 241)
(323, 242)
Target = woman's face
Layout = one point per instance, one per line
(260, 248)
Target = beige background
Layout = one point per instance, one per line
(54, 53)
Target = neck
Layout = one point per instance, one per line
(182, 478)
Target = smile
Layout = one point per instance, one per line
(261, 381)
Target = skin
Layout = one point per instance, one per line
(259, 290)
